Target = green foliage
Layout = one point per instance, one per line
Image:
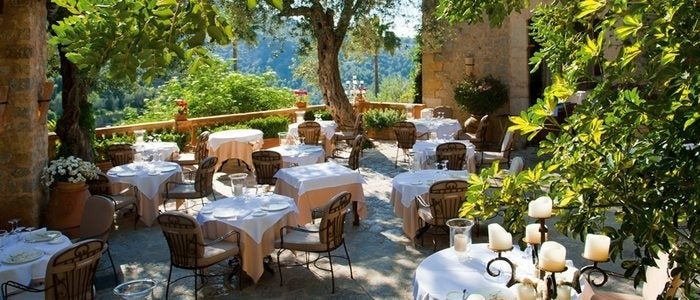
(632, 146)
(310, 115)
(396, 89)
(270, 126)
(382, 118)
(101, 145)
(481, 96)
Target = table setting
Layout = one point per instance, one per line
(424, 151)
(258, 217)
(149, 178)
(25, 253)
(442, 127)
(328, 128)
(300, 155)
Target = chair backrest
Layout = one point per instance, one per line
(204, 177)
(507, 143)
(99, 185)
(266, 163)
(98, 216)
(355, 152)
(310, 131)
(405, 134)
(454, 152)
(200, 149)
(516, 165)
(445, 110)
(120, 154)
(184, 237)
(358, 128)
(445, 199)
(481, 129)
(70, 273)
(333, 220)
(234, 165)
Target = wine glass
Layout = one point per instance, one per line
(444, 165)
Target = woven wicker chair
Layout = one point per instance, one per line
(120, 154)
(356, 152)
(322, 240)
(124, 198)
(349, 136)
(445, 110)
(444, 201)
(454, 153)
(70, 273)
(96, 223)
(191, 251)
(502, 156)
(190, 160)
(405, 138)
(310, 131)
(201, 187)
(266, 163)
(479, 137)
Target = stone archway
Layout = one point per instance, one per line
(23, 133)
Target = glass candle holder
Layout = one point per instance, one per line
(460, 236)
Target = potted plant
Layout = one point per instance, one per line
(181, 110)
(301, 96)
(66, 177)
(380, 122)
(480, 96)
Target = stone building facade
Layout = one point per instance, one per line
(501, 52)
(23, 142)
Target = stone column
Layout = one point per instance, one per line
(23, 133)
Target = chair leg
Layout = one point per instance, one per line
(167, 287)
(330, 261)
(114, 269)
(348, 257)
(279, 265)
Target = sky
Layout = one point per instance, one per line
(407, 20)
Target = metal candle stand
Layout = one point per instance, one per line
(592, 269)
(512, 280)
(551, 282)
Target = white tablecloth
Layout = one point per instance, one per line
(300, 155)
(424, 150)
(252, 136)
(150, 186)
(327, 129)
(166, 149)
(258, 234)
(24, 273)
(442, 272)
(445, 128)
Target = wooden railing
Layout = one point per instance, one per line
(191, 125)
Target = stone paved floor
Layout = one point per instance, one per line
(383, 259)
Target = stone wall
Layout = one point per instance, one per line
(23, 130)
(500, 52)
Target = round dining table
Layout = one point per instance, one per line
(424, 151)
(327, 130)
(166, 149)
(444, 272)
(406, 186)
(300, 155)
(444, 128)
(258, 219)
(235, 143)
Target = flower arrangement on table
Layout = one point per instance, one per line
(69, 169)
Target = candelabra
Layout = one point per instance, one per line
(355, 89)
(497, 273)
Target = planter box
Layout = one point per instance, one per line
(270, 142)
(381, 134)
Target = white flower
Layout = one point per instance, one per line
(70, 169)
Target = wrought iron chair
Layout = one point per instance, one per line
(191, 251)
(445, 111)
(310, 131)
(98, 217)
(349, 136)
(124, 198)
(189, 161)
(322, 240)
(120, 154)
(266, 163)
(405, 138)
(444, 201)
(201, 187)
(70, 273)
(454, 152)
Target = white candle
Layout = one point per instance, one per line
(525, 292)
(499, 238)
(597, 247)
(533, 235)
(540, 208)
(563, 292)
(238, 189)
(552, 256)
(460, 241)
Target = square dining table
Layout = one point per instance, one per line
(150, 183)
(258, 219)
(312, 186)
(235, 143)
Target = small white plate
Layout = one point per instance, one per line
(167, 168)
(22, 256)
(126, 174)
(275, 206)
(44, 236)
(259, 213)
(206, 210)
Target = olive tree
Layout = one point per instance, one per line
(632, 147)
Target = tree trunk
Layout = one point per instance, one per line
(73, 131)
(329, 79)
(234, 54)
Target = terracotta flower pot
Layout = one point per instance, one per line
(65, 209)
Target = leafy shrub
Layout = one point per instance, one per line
(481, 96)
(310, 115)
(382, 118)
